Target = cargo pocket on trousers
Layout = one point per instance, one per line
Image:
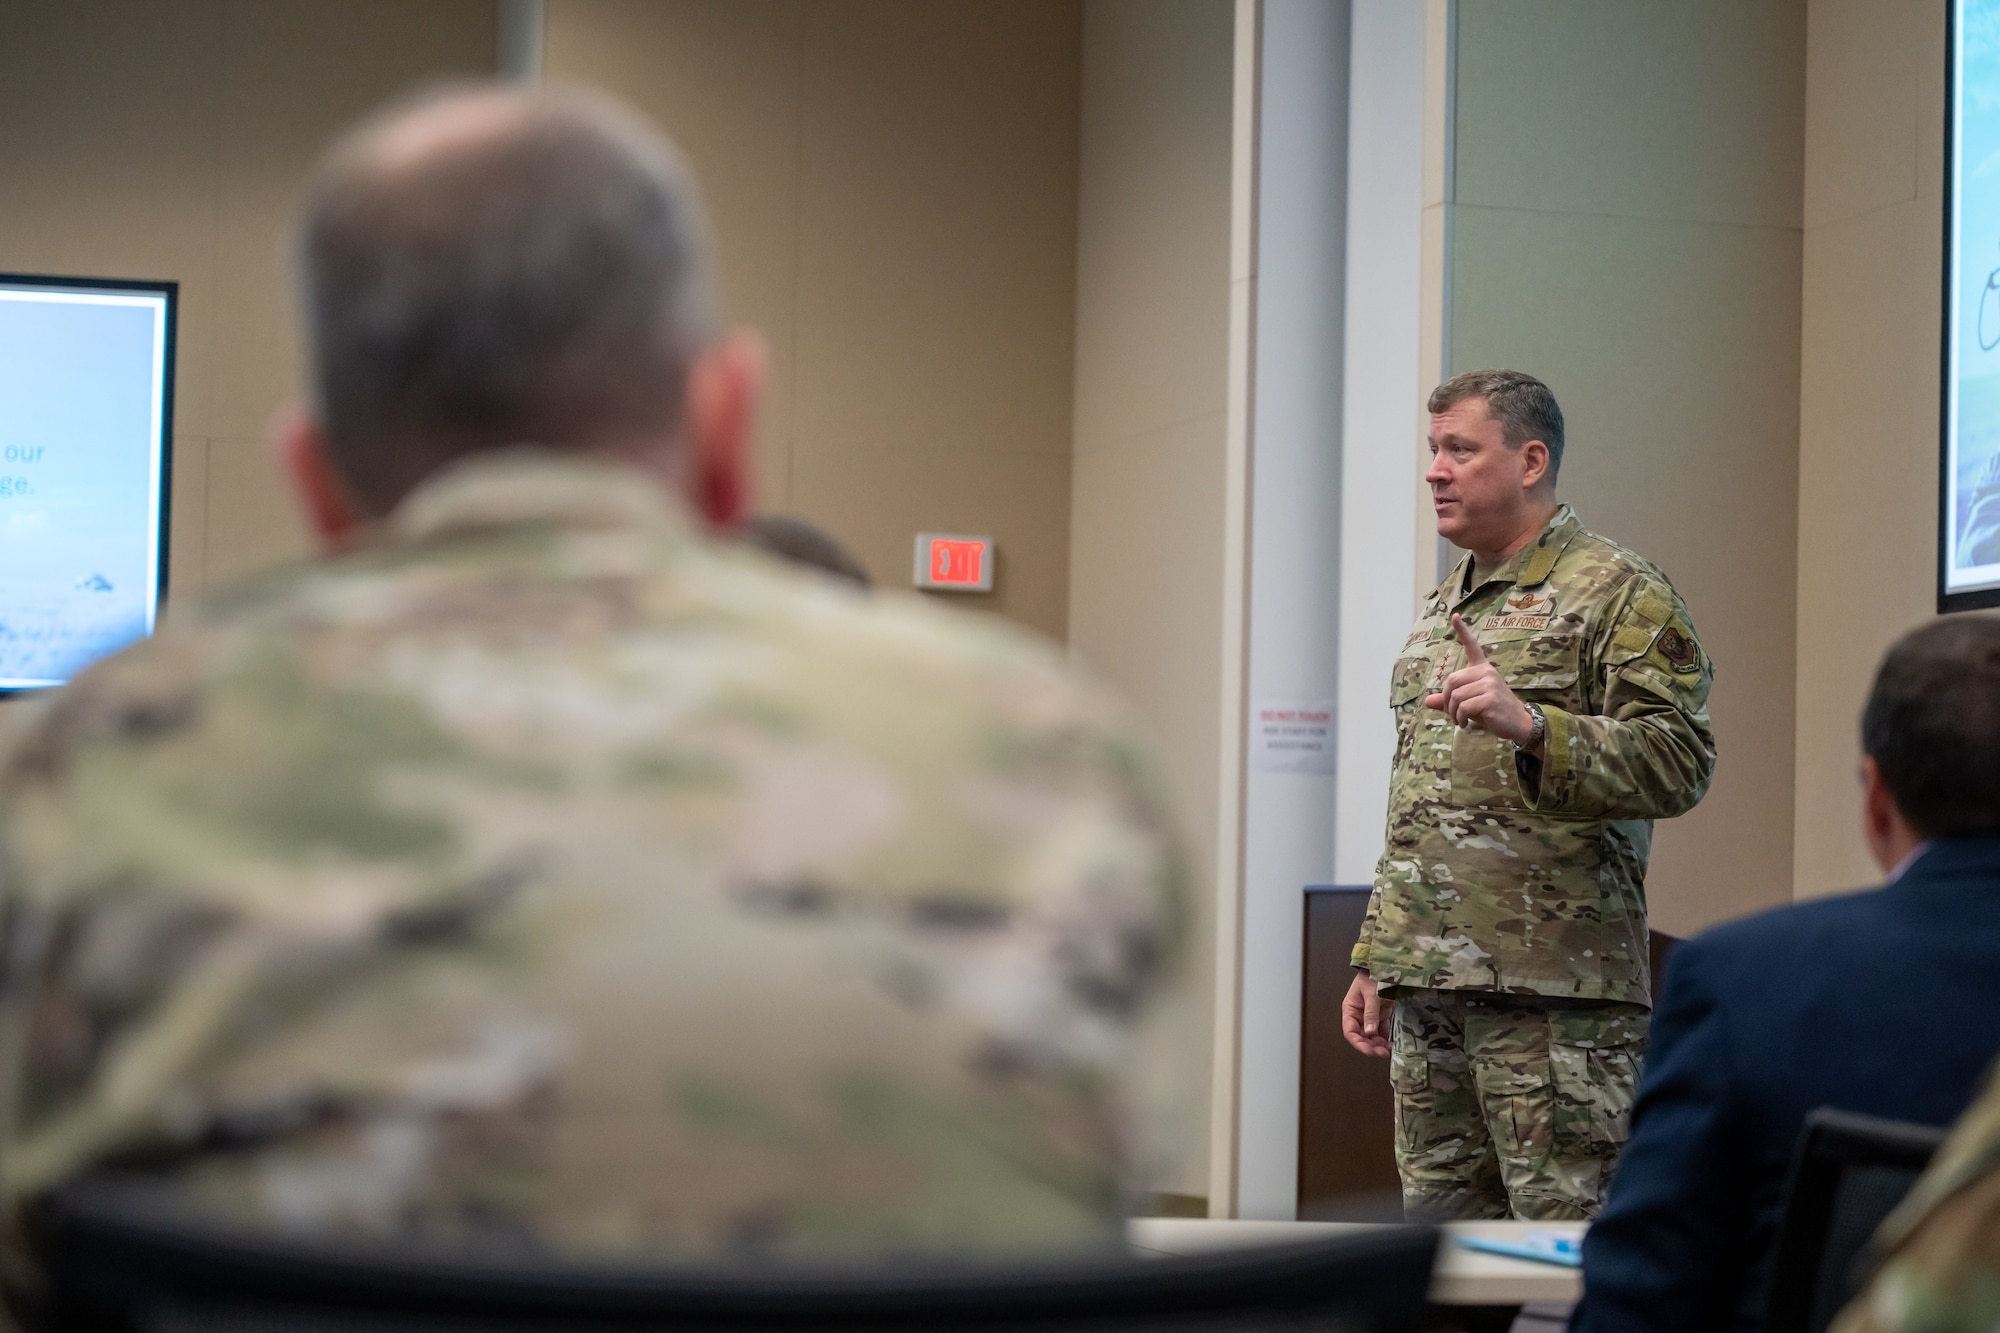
(1594, 1087)
(1518, 1102)
(1409, 1070)
(1410, 1076)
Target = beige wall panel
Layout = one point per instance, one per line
(1672, 348)
(1151, 430)
(880, 500)
(1868, 393)
(252, 518)
(109, 147)
(1690, 110)
(187, 522)
(1627, 186)
(1867, 503)
(893, 186)
(1145, 601)
(1144, 561)
(937, 270)
(1927, 23)
(1151, 350)
(724, 80)
(1861, 102)
(169, 141)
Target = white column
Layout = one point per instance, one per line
(1382, 417)
(1295, 558)
(1334, 418)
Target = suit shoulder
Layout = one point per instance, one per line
(1764, 942)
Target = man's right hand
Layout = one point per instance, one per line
(1364, 1019)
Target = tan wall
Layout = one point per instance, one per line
(1868, 391)
(169, 141)
(1626, 226)
(893, 184)
(1146, 603)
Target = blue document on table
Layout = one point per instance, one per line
(1542, 1247)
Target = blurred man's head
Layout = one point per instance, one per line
(1496, 439)
(1931, 737)
(489, 267)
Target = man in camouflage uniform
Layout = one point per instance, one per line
(1550, 703)
(542, 872)
(1941, 1270)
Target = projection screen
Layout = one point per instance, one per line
(1969, 481)
(86, 416)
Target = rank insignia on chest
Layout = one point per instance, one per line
(1525, 608)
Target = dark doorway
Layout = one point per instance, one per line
(1346, 1131)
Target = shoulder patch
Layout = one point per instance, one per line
(1678, 650)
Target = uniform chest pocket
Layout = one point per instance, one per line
(1542, 666)
(1409, 681)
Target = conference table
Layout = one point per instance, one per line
(1462, 1276)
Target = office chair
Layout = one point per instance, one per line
(120, 1260)
(1848, 1173)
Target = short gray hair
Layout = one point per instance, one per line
(1522, 404)
(484, 267)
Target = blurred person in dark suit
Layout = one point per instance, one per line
(1884, 1003)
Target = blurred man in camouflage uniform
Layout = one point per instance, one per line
(541, 871)
(1551, 702)
(1941, 1271)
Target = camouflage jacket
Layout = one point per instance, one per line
(1502, 872)
(547, 873)
(1941, 1270)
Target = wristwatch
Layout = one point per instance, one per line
(1536, 732)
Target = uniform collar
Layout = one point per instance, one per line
(1528, 566)
(530, 485)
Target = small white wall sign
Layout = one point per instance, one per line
(1292, 735)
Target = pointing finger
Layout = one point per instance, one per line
(1473, 655)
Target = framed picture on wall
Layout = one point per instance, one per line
(1969, 454)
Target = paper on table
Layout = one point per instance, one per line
(1542, 1247)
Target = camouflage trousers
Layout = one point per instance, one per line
(1511, 1105)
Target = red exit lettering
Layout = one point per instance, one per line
(957, 562)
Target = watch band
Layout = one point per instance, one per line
(1538, 731)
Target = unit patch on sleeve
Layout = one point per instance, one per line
(1678, 650)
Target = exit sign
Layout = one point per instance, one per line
(951, 563)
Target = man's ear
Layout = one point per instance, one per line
(1534, 464)
(724, 386)
(331, 510)
(1889, 835)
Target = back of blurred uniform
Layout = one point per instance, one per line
(536, 871)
